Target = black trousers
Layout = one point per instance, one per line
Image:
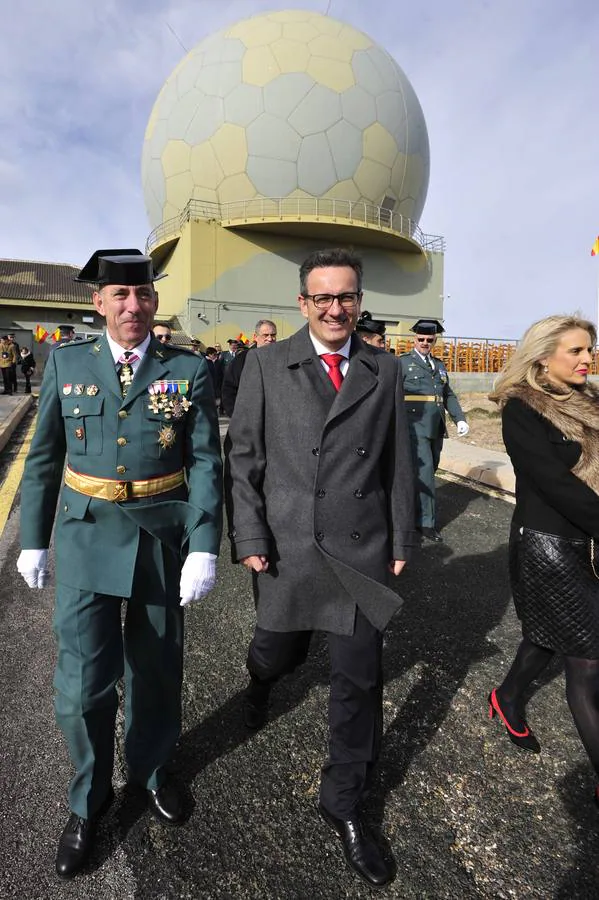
(6, 380)
(355, 702)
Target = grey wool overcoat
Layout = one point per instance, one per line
(321, 482)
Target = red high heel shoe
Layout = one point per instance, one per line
(523, 739)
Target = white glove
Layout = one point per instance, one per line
(197, 576)
(33, 566)
(463, 428)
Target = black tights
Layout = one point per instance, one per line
(582, 692)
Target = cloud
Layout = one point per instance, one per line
(508, 92)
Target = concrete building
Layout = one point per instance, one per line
(287, 132)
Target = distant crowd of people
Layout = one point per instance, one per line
(13, 357)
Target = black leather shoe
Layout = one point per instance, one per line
(166, 804)
(77, 839)
(255, 705)
(361, 853)
(431, 534)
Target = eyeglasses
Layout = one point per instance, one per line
(348, 300)
(164, 337)
(426, 340)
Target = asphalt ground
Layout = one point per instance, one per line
(464, 812)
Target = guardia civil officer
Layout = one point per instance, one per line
(372, 331)
(428, 397)
(139, 520)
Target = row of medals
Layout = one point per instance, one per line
(176, 407)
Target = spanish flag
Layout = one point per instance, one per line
(243, 338)
(55, 335)
(40, 334)
(595, 250)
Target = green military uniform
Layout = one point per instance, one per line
(427, 398)
(119, 544)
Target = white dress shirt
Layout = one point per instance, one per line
(343, 351)
(117, 351)
(424, 358)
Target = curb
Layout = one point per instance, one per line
(491, 473)
(16, 416)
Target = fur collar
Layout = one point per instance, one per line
(576, 416)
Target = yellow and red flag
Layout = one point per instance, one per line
(595, 249)
(55, 335)
(40, 334)
(244, 339)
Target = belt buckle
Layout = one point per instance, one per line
(121, 491)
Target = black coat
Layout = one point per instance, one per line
(231, 379)
(549, 497)
(27, 363)
(322, 483)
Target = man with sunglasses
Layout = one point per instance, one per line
(319, 487)
(162, 332)
(428, 397)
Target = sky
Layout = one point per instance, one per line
(509, 90)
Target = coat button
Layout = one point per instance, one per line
(355, 535)
(123, 413)
(358, 494)
(121, 441)
(321, 492)
(319, 536)
(361, 451)
(232, 533)
(76, 411)
(121, 470)
(316, 451)
(66, 508)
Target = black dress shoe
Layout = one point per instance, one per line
(255, 705)
(77, 839)
(166, 804)
(431, 534)
(361, 853)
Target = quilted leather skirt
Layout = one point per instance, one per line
(556, 593)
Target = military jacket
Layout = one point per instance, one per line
(83, 417)
(427, 417)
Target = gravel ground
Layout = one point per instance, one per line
(464, 812)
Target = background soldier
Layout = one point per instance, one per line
(372, 331)
(427, 398)
(141, 495)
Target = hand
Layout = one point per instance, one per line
(256, 564)
(463, 428)
(198, 576)
(396, 566)
(33, 566)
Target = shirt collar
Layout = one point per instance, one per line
(423, 356)
(117, 351)
(320, 348)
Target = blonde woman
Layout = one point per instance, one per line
(550, 418)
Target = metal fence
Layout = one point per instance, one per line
(286, 209)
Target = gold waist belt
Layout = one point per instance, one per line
(117, 491)
(423, 398)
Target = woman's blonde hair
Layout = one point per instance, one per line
(539, 341)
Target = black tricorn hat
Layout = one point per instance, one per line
(427, 326)
(370, 325)
(118, 267)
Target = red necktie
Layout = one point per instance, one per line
(333, 361)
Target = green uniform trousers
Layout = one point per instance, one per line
(95, 650)
(426, 453)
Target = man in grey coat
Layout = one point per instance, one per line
(320, 497)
